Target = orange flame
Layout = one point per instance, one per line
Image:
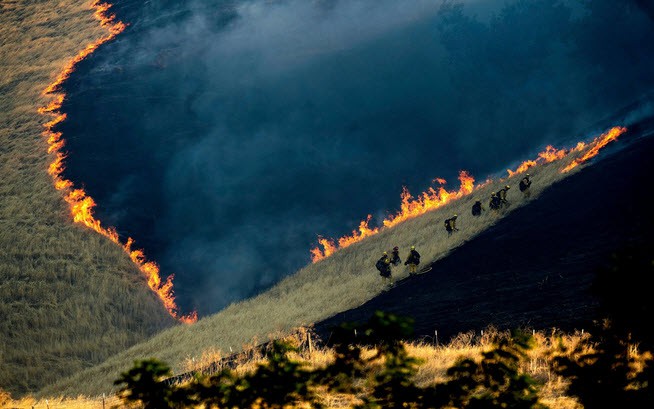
(434, 198)
(597, 144)
(107, 21)
(81, 204)
(411, 207)
(328, 249)
(523, 167)
(550, 154)
(364, 231)
(429, 200)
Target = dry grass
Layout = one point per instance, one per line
(69, 298)
(435, 362)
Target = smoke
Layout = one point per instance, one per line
(228, 134)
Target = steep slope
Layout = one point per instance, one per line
(341, 282)
(68, 297)
(535, 267)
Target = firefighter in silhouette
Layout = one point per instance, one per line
(494, 203)
(412, 260)
(502, 195)
(384, 267)
(477, 208)
(525, 184)
(395, 256)
(450, 225)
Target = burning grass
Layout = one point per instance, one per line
(80, 203)
(70, 298)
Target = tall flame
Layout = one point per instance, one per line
(597, 144)
(81, 204)
(411, 207)
(550, 154)
(328, 249)
(434, 198)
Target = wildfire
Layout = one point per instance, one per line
(434, 198)
(411, 207)
(328, 249)
(550, 154)
(597, 144)
(81, 204)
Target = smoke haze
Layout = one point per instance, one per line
(225, 135)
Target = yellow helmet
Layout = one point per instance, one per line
(413, 247)
(455, 215)
(386, 253)
(508, 187)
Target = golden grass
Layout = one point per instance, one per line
(69, 298)
(435, 362)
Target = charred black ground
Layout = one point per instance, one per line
(536, 267)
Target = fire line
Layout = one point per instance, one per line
(81, 204)
(434, 198)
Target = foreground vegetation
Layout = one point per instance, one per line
(371, 368)
(430, 367)
(68, 297)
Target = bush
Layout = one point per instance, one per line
(281, 381)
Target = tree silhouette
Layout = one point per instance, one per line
(610, 376)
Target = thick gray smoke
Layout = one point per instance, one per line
(253, 126)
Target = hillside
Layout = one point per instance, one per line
(68, 297)
(72, 298)
(536, 267)
(338, 283)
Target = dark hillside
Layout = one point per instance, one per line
(535, 267)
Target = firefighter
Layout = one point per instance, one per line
(502, 195)
(395, 256)
(525, 184)
(412, 260)
(384, 267)
(450, 225)
(477, 208)
(494, 202)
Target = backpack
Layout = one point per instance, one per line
(380, 264)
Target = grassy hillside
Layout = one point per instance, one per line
(69, 298)
(340, 282)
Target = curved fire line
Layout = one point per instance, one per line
(81, 204)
